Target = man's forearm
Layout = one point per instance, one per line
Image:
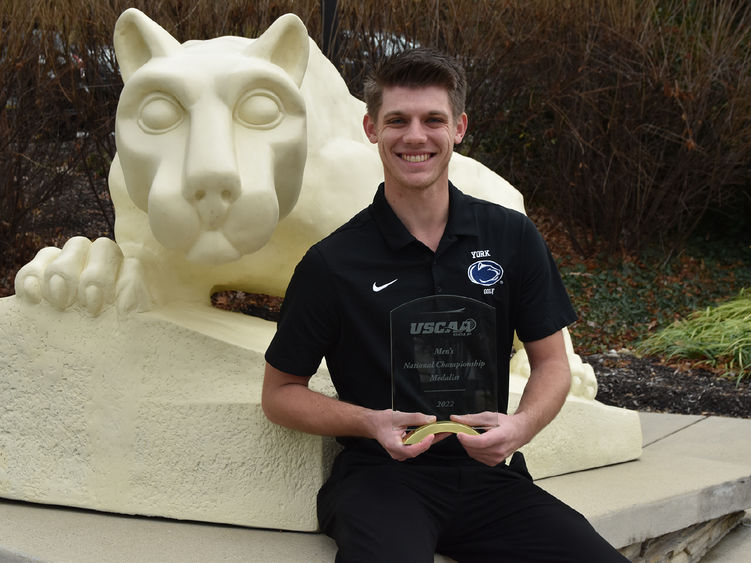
(289, 402)
(541, 401)
(549, 383)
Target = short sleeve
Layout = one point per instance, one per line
(309, 320)
(544, 306)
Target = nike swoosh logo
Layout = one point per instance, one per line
(378, 288)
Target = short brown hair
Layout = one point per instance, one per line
(416, 68)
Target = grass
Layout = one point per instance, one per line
(720, 336)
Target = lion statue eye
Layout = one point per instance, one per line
(160, 114)
(260, 110)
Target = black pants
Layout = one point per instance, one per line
(380, 510)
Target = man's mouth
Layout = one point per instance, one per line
(415, 157)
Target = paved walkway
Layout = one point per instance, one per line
(693, 469)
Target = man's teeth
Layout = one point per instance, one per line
(415, 157)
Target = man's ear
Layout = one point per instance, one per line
(461, 128)
(369, 124)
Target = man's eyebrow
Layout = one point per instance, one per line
(393, 113)
(400, 113)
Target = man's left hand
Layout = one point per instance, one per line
(496, 444)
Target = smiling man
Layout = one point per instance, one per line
(454, 494)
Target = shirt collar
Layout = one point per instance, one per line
(461, 218)
(460, 222)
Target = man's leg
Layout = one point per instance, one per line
(378, 512)
(506, 517)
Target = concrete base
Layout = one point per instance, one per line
(693, 469)
(141, 415)
(159, 414)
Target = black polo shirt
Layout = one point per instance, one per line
(338, 302)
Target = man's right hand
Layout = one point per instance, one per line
(390, 428)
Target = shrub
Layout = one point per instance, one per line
(45, 101)
(648, 118)
(720, 335)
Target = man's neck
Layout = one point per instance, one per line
(424, 212)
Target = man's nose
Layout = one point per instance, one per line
(415, 132)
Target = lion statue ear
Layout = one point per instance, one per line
(138, 39)
(285, 44)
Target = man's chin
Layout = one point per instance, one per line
(420, 182)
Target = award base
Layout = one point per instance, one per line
(422, 432)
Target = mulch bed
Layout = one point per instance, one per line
(648, 384)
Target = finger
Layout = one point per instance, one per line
(477, 420)
(28, 281)
(61, 277)
(405, 419)
(441, 436)
(480, 452)
(399, 451)
(467, 439)
(99, 277)
(476, 441)
(485, 448)
(420, 447)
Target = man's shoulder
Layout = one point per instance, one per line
(489, 209)
(361, 225)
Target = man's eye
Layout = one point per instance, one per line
(159, 114)
(259, 109)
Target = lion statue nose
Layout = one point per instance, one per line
(212, 195)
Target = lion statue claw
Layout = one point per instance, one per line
(82, 272)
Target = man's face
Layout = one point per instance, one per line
(416, 132)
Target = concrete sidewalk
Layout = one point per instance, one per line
(693, 469)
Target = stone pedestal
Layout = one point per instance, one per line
(143, 414)
(159, 414)
(584, 435)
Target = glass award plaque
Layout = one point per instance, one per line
(443, 362)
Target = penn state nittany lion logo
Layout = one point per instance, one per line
(485, 272)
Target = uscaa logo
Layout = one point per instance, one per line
(485, 272)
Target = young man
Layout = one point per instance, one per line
(387, 501)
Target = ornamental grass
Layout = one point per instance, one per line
(719, 335)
